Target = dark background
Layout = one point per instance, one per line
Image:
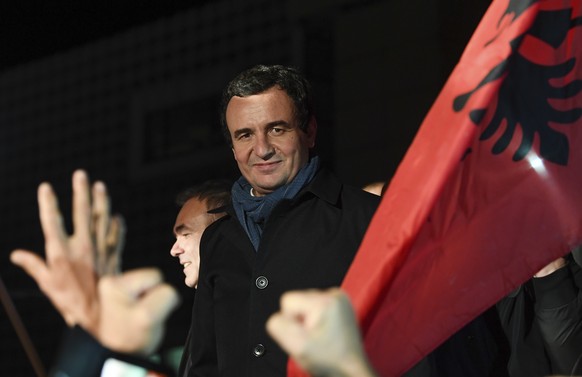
(127, 90)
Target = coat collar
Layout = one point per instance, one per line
(325, 186)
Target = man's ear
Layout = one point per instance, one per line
(311, 132)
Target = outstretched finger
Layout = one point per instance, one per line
(51, 221)
(81, 212)
(115, 241)
(100, 225)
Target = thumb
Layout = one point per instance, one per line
(31, 263)
(288, 332)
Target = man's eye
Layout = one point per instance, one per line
(243, 136)
(277, 131)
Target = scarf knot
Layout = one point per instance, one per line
(253, 211)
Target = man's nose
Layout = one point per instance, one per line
(176, 249)
(263, 147)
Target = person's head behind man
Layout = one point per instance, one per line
(267, 117)
(193, 219)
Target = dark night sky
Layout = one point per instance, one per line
(33, 29)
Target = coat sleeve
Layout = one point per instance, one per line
(80, 355)
(558, 312)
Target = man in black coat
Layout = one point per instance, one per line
(291, 225)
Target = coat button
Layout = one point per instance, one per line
(261, 282)
(259, 350)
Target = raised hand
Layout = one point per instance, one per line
(69, 276)
(319, 330)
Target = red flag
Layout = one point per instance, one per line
(489, 191)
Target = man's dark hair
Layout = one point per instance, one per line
(263, 77)
(215, 192)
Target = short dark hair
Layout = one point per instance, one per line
(215, 192)
(260, 78)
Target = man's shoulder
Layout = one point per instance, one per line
(329, 187)
(219, 225)
(226, 229)
(359, 200)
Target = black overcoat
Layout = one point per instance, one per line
(307, 242)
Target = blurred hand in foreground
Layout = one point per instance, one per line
(126, 312)
(319, 330)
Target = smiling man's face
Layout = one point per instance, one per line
(268, 145)
(190, 223)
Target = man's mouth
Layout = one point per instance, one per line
(267, 167)
(186, 264)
